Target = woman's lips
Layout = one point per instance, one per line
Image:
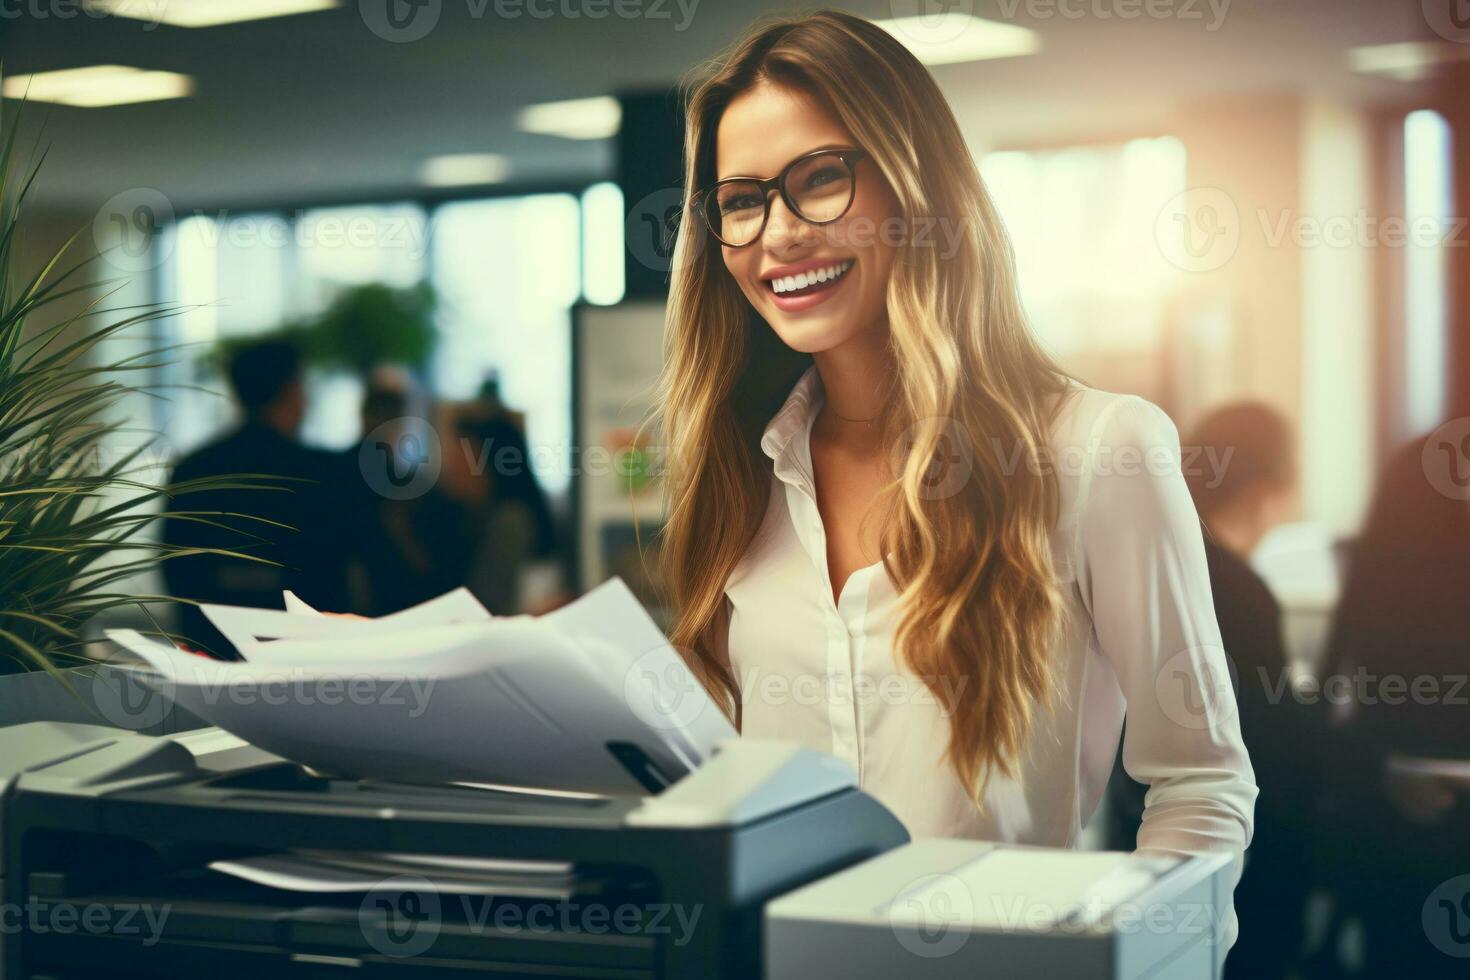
(807, 298)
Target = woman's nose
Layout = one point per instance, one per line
(784, 230)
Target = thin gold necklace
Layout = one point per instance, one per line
(867, 421)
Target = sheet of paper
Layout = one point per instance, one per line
(365, 652)
(295, 604)
(513, 702)
(291, 872)
(1028, 888)
(486, 865)
(616, 632)
(248, 628)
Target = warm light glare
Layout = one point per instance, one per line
(575, 119)
(602, 244)
(99, 85)
(464, 169)
(954, 36)
(206, 13)
(1428, 196)
(1411, 61)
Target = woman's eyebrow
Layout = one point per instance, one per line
(803, 153)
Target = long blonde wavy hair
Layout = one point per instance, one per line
(980, 608)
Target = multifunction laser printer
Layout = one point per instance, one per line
(125, 855)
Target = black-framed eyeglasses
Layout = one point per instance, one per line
(818, 187)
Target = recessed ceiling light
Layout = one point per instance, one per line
(460, 169)
(575, 119)
(206, 13)
(953, 36)
(1411, 61)
(98, 85)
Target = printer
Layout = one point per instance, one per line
(124, 855)
(111, 840)
(960, 909)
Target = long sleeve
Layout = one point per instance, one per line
(1144, 579)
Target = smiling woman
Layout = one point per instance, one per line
(882, 488)
(821, 188)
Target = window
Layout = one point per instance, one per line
(602, 244)
(230, 277)
(506, 271)
(1081, 221)
(1428, 201)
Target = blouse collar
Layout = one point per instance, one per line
(787, 436)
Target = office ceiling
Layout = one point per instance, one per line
(319, 107)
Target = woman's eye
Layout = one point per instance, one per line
(740, 202)
(824, 176)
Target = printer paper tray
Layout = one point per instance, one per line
(223, 940)
(240, 929)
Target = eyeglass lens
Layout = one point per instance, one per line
(820, 187)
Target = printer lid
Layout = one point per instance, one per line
(746, 780)
(986, 886)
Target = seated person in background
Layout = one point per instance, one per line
(518, 557)
(1243, 482)
(506, 526)
(501, 435)
(409, 542)
(480, 522)
(309, 555)
(1401, 649)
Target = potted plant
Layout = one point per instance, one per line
(74, 509)
(363, 328)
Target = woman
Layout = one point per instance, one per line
(898, 532)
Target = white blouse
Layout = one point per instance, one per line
(1140, 634)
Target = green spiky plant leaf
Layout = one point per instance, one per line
(74, 509)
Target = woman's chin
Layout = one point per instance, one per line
(813, 331)
(810, 336)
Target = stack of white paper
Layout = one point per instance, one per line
(351, 871)
(443, 692)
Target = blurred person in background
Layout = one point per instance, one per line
(1396, 686)
(399, 537)
(1243, 482)
(481, 522)
(503, 435)
(506, 532)
(301, 533)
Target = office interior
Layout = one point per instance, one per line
(458, 216)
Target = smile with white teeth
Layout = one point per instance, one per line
(812, 277)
